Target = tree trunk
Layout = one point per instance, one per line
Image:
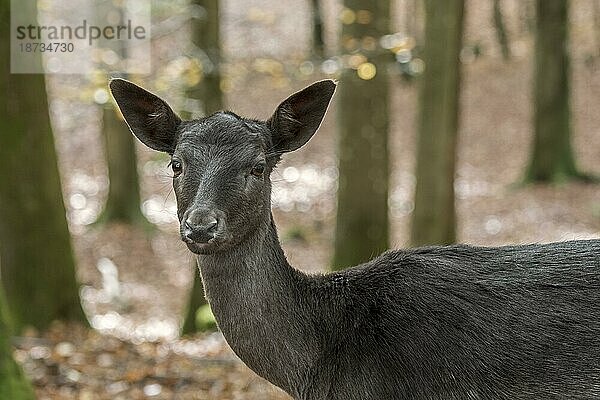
(434, 214)
(526, 11)
(363, 120)
(205, 39)
(413, 20)
(317, 42)
(123, 200)
(13, 384)
(501, 34)
(38, 269)
(552, 156)
(197, 299)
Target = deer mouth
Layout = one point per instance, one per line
(203, 248)
(210, 246)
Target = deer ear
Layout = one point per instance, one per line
(149, 117)
(299, 116)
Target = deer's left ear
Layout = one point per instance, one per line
(299, 116)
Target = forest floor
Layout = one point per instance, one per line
(133, 350)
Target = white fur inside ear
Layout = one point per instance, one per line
(287, 113)
(157, 114)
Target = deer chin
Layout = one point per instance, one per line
(214, 245)
(200, 248)
(203, 248)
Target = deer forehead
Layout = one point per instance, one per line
(222, 136)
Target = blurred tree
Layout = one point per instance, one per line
(501, 34)
(198, 317)
(552, 157)
(413, 20)
(205, 92)
(123, 200)
(13, 384)
(318, 43)
(434, 214)
(363, 100)
(526, 12)
(38, 269)
(196, 300)
(410, 14)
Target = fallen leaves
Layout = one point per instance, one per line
(74, 362)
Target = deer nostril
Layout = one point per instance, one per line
(212, 225)
(199, 228)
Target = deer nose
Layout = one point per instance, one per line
(200, 226)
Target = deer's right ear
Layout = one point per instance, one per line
(149, 117)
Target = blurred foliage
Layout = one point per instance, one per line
(297, 233)
(205, 320)
(186, 67)
(196, 301)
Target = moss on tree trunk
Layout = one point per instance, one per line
(38, 269)
(363, 119)
(434, 217)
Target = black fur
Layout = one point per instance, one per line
(456, 322)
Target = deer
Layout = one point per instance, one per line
(438, 322)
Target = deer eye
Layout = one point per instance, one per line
(258, 170)
(176, 167)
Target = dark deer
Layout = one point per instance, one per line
(455, 322)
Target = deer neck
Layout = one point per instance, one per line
(263, 306)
